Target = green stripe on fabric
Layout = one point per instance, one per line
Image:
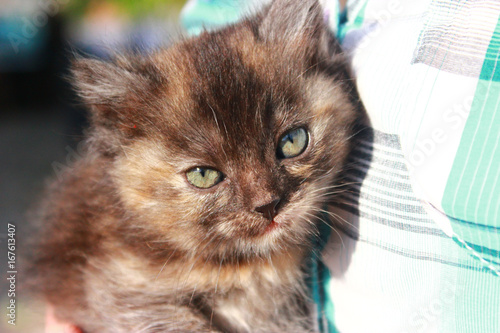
(472, 191)
(319, 276)
(490, 240)
(209, 15)
(355, 23)
(328, 304)
(336, 16)
(490, 61)
(488, 253)
(314, 286)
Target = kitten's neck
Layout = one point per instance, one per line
(279, 269)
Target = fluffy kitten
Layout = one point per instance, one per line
(206, 165)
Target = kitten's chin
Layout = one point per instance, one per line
(274, 230)
(277, 228)
(281, 234)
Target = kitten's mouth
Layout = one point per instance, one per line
(271, 226)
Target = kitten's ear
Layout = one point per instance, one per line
(97, 82)
(300, 24)
(111, 90)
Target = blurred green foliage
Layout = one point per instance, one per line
(133, 8)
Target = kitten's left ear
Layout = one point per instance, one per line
(300, 25)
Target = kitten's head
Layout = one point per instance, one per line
(226, 144)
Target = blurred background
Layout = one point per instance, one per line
(41, 121)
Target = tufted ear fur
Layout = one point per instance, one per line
(116, 92)
(301, 28)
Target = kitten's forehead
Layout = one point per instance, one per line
(232, 96)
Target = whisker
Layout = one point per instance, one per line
(165, 264)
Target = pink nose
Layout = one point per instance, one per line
(269, 209)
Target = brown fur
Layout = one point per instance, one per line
(129, 246)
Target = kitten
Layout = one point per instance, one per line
(206, 165)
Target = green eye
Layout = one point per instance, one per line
(292, 143)
(204, 177)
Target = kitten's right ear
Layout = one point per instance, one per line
(113, 90)
(101, 85)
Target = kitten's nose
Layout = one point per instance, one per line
(268, 210)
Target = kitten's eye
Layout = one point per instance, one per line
(204, 177)
(292, 143)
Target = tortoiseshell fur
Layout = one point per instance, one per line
(128, 245)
